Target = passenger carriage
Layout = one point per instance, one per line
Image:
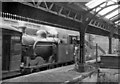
(11, 50)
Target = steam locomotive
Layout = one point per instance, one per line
(45, 49)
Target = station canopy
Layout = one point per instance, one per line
(106, 9)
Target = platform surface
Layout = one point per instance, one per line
(58, 75)
(109, 75)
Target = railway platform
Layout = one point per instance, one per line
(68, 75)
(62, 75)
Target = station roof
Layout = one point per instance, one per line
(68, 15)
(106, 9)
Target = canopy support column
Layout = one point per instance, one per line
(119, 47)
(82, 32)
(110, 38)
(81, 57)
(82, 47)
(110, 45)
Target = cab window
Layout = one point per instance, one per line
(72, 39)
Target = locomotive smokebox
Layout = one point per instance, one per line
(43, 49)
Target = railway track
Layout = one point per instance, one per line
(11, 75)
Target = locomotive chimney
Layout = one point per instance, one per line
(23, 28)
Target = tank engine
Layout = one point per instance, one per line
(37, 50)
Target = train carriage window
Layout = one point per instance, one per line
(15, 45)
(16, 38)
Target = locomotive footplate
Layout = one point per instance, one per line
(31, 69)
